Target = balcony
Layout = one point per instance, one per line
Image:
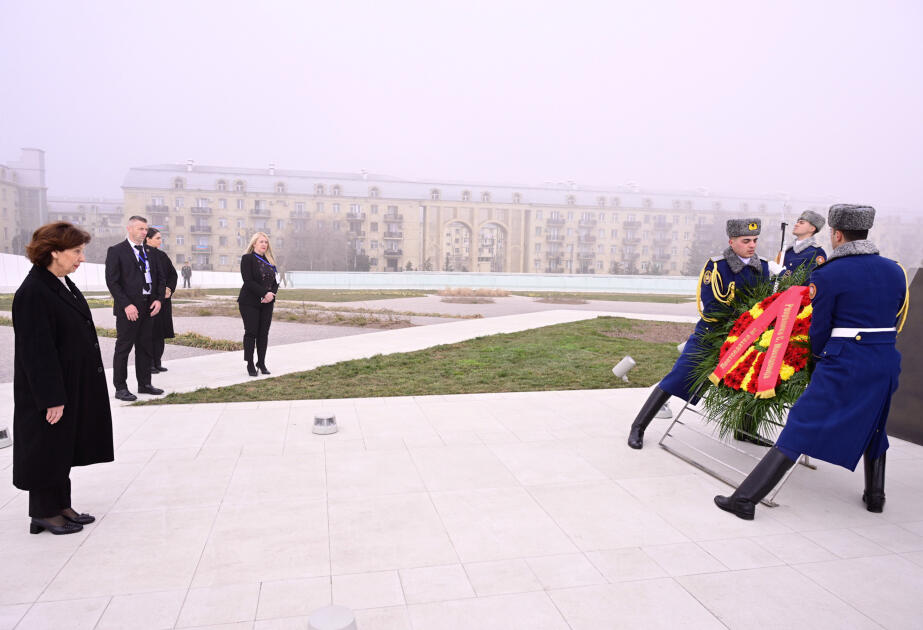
(586, 255)
(152, 209)
(393, 218)
(662, 240)
(587, 223)
(631, 225)
(200, 229)
(661, 257)
(299, 214)
(555, 221)
(356, 234)
(554, 255)
(201, 249)
(259, 212)
(355, 216)
(551, 269)
(554, 238)
(200, 210)
(393, 253)
(393, 235)
(630, 256)
(586, 239)
(633, 240)
(662, 225)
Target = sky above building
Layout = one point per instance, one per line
(804, 98)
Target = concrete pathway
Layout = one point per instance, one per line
(484, 511)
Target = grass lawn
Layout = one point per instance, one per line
(577, 355)
(612, 297)
(6, 301)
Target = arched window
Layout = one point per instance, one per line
(517, 198)
(466, 195)
(336, 191)
(179, 183)
(434, 194)
(280, 187)
(319, 189)
(239, 186)
(221, 185)
(485, 196)
(374, 192)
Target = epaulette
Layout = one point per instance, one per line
(763, 258)
(717, 258)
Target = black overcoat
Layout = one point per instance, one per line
(164, 319)
(56, 362)
(258, 279)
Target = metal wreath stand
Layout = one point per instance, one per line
(769, 501)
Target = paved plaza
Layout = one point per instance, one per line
(485, 511)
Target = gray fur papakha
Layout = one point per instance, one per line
(814, 219)
(845, 216)
(743, 227)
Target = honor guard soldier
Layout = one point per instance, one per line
(860, 301)
(738, 266)
(805, 250)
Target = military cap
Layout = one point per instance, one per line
(743, 227)
(814, 219)
(845, 216)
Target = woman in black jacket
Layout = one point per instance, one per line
(163, 321)
(61, 415)
(256, 299)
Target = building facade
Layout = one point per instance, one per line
(23, 200)
(208, 214)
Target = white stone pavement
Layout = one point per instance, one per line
(487, 511)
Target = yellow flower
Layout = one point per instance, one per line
(765, 338)
(800, 338)
(786, 372)
(756, 311)
(746, 354)
(805, 312)
(732, 338)
(746, 381)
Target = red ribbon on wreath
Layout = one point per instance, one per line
(783, 311)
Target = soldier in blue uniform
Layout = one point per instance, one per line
(805, 250)
(859, 301)
(738, 266)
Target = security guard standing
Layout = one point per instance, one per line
(805, 250)
(859, 301)
(738, 266)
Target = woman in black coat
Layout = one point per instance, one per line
(256, 299)
(163, 321)
(61, 415)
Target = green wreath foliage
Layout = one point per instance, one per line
(735, 410)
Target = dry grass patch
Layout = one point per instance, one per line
(467, 292)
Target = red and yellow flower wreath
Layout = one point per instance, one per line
(743, 374)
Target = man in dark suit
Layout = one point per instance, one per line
(136, 283)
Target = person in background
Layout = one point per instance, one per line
(163, 323)
(805, 250)
(860, 301)
(61, 415)
(256, 299)
(738, 266)
(187, 276)
(137, 287)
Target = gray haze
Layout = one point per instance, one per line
(807, 98)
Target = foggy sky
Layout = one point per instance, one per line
(808, 98)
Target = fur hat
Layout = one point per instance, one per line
(814, 219)
(844, 216)
(743, 227)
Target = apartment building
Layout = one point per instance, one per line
(23, 202)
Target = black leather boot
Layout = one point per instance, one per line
(653, 404)
(763, 478)
(874, 495)
(261, 345)
(249, 342)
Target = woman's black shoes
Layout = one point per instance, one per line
(80, 519)
(263, 369)
(251, 369)
(38, 525)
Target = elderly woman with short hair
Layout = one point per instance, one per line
(61, 415)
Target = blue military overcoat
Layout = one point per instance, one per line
(811, 255)
(720, 277)
(843, 411)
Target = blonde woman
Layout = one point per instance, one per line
(256, 299)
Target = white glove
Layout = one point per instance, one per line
(775, 268)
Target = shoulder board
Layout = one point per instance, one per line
(717, 258)
(764, 259)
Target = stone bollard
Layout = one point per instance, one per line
(332, 618)
(325, 423)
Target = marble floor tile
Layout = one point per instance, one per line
(435, 584)
(501, 577)
(143, 611)
(649, 604)
(545, 463)
(793, 548)
(565, 571)
(79, 614)
(232, 603)
(845, 543)
(395, 618)
(450, 468)
(277, 478)
(738, 599)
(371, 473)
(387, 532)
(368, 590)
(625, 565)
(293, 598)
(740, 553)
(498, 524)
(684, 559)
(532, 611)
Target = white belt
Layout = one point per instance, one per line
(852, 332)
